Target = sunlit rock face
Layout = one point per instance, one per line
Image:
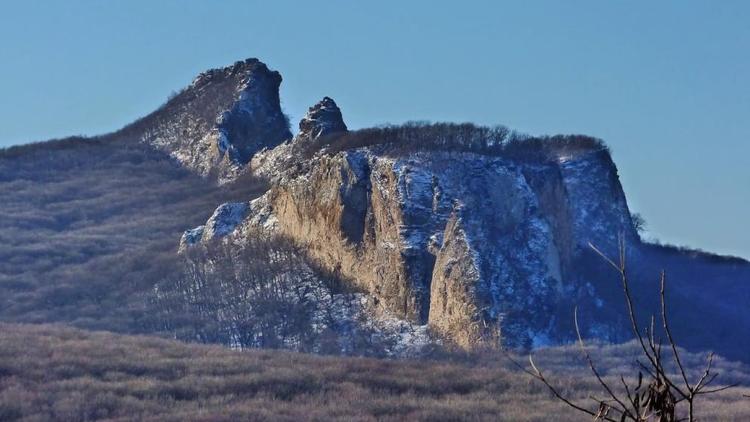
(464, 242)
(217, 124)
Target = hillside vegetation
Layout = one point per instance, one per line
(89, 225)
(59, 373)
(464, 137)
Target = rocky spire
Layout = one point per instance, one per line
(321, 119)
(255, 119)
(216, 125)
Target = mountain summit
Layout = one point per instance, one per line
(218, 123)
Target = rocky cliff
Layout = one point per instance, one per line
(216, 125)
(476, 245)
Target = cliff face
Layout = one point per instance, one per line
(470, 244)
(221, 120)
(476, 246)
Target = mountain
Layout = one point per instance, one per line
(331, 240)
(89, 224)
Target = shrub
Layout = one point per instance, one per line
(116, 377)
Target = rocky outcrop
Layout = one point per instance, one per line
(218, 123)
(477, 246)
(223, 221)
(456, 240)
(324, 118)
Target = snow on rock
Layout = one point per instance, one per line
(191, 237)
(224, 220)
(216, 125)
(324, 118)
(601, 211)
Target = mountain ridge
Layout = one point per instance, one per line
(479, 234)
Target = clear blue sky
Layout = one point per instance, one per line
(665, 83)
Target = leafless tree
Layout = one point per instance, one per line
(264, 293)
(259, 295)
(663, 391)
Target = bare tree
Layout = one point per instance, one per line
(264, 293)
(664, 391)
(639, 222)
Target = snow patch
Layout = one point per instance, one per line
(225, 219)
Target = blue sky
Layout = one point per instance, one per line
(666, 84)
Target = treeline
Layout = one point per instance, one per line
(67, 143)
(463, 137)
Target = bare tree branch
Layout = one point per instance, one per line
(669, 332)
(536, 373)
(593, 367)
(656, 400)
